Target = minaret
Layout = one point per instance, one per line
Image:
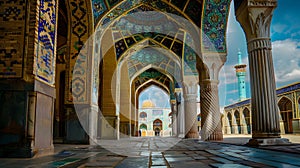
(240, 69)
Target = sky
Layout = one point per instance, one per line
(285, 36)
(159, 97)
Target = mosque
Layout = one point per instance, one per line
(154, 121)
(237, 118)
(71, 71)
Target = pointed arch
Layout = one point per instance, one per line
(157, 126)
(286, 111)
(143, 126)
(127, 6)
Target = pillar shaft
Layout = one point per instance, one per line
(190, 111)
(211, 128)
(174, 119)
(180, 121)
(265, 118)
(255, 18)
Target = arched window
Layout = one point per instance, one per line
(143, 127)
(143, 115)
(157, 126)
(157, 122)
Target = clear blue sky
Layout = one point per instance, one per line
(285, 34)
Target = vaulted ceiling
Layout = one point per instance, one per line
(210, 16)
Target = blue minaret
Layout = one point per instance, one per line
(240, 70)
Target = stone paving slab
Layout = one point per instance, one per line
(186, 153)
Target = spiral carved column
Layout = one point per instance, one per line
(211, 128)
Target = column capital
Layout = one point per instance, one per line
(259, 44)
(213, 62)
(209, 85)
(255, 17)
(209, 82)
(189, 88)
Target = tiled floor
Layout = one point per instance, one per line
(161, 152)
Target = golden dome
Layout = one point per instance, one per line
(148, 104)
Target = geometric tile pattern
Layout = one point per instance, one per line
(168, 41)
(12, 22)
(214, 25)
(152, 74)
(192, 9)
(189, 61)
(99, 8)
(109, 10)
(44, 56)
(155, 57)
(77, 75)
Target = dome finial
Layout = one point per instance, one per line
(239, 57)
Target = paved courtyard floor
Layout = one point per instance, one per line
(159, 152)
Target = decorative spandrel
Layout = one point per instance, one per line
(153, 75)
(99, 8)
(78, 72)
(189, 58)
(154, 57)
(171, 42)
(192, 9)
(214, 25)
(44, 67)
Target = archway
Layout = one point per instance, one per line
(285, 106)
(154, 101)
(143, 130)
(247, 118)
(157, 127)
(119, 41)
(237, 122)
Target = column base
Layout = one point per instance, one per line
(192, 135)
(216, 136)
(282, 130)
(75, 131)
(268, 142)
(181, 135)
(109, 128)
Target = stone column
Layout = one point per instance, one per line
(211, 128)
(244, 125)
(190, 110)
(174, 118)
(180, 114)
(234, 124)
(255, 17)
(180, 121)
